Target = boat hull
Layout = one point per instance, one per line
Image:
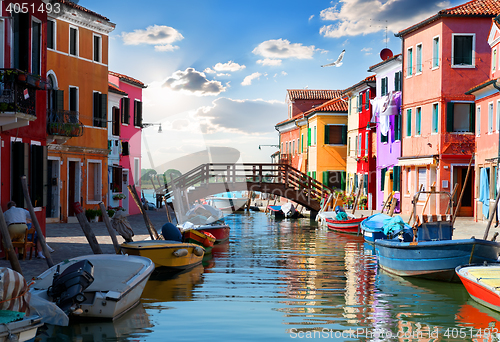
(168, 254)
(22, 330)
(435, 260)
(199, 238)
(220, 232)
(107, 297)
(224, 203)
(482, 290)
(348, 226)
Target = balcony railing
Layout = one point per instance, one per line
(64, 123)
(18, 91)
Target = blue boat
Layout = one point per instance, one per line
(376, 227)
(432, 253)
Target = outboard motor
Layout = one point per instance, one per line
(67, 288)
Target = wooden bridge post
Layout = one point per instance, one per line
(253, 173)
(286, 176)
(261, 174)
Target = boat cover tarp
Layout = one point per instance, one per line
(394, 225)
(7, 316)
(122, 226)
(341, 216)
(375, 222)
(14, 294)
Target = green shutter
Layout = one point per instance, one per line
(367, 99)
(59, 99)
(382, 178)
(327, 134)
(418, 119)
(315, 141)
(396, 178)
(343, 180)
(472, 118)
(449, 116)
(397, 127)
(309, 137)
(104, 110)
(382, 87)
(314, 175)
(309, 173)
(325, 178)
(435, 122)
(383, 138)
(96, 103)
(302, 144)
(344, 135)
(408, 122)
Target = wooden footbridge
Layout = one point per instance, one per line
(277, 179)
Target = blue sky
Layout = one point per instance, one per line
(217, 70)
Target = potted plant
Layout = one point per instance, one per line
(91, 215)
(363, 201)
(119, 197)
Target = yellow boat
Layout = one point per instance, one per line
(164, 253)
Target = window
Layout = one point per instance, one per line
(435, 117)
(397, 81)
(309, 136)
(418, 121)
(73, 99)
(73, 41)
(137, 170)
(359, 145)
(115, 129)
(435, 52)
(100, 109)
(419, 58)
(293, 147)
(38, 175)
(396, 178)
(498, 115)
(360, 102)
(36, 47)
(382, 178)
(409, 62)
(478, 120)
(349, 146)
(367, 99)
(384, 84)
(460, 117)
(422, 181)
(290, 111)
(408, 181)
(334, 179)
(494, 60)
(314, 175)
(463, 50)
(335, 134)
(126, 150)
(51, 34)
(302, 143)
(117, 176)
(137, 113)
(21, 41)
(97, 48)
(94, 185)
(125, 110)
(408, 122)
(384, 138)
(397, 127)
(314, 135)
(490, 117)
(366, 143)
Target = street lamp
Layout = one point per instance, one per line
(269, 145)
(147, 124)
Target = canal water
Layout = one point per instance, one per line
(292, 280)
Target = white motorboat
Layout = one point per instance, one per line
(21, 330)
(100, 286)
(227, 202)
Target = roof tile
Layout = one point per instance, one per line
(312, 94)
(81, 8)
(113, 88)
(128, 79)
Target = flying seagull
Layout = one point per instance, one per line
(338, 62)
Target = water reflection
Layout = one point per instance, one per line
(276, 280)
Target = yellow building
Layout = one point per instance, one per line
(77, 64)
(323, 143)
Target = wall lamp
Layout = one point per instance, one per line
(269, 145)
(146, 124)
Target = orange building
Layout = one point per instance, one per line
(77, 64)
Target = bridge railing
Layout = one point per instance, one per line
(284, 174)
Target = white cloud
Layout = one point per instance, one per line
(350, 20)
(161, 36)
(240, 116)
(209, 71)
(268, 61)
(367, 50)
(229, 66)
(248, 80)
(193, 82)
(311, 17)
(282, 48)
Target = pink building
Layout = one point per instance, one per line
(130, 117)
(487, 127)
(443, 57)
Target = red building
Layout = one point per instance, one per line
(23, 106)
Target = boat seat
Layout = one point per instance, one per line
(432, 218)
(106, 276)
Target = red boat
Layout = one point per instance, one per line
(348, 226)
(219, 231)
(482, 282)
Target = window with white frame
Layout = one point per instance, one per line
(73, 99)
(490, 117)
(73, 41)
(366, 143)
(359, 145)
(435, 52)
(409, 62)
(422, 181)
(51, 34)
(494, 60)
(419, 59)
(418, 121)
(463, 50)
(435, 117)
(408, 181)
(97, 48)
(36, 46)
(478, 120)
(290, 111)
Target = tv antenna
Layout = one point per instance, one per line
(384, 26)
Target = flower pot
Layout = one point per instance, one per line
(21, 77)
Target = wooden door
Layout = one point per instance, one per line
(459, 174)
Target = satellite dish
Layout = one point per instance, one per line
(386, 54)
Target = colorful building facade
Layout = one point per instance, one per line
(23, 107)
(77, 70)
(443, 57)
(387, 115)
(361, 133)
(130, 133)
